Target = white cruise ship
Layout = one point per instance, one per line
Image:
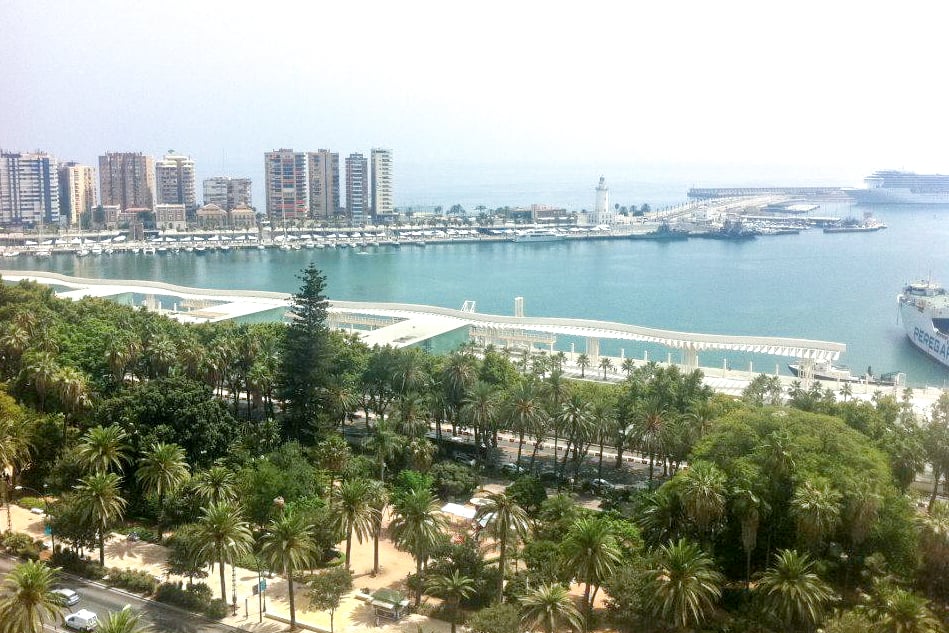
(538, 235)
(924, 310)
(902, 187)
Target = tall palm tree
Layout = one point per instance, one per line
(583, 361)
(101, 504)
(353, 512)
(385, 444)
(546, 606)
(749, 507)
(215, 485)
(703, 496)
(522, 411)
(288, 547)
(628, 367)
(40, 369)
(505, 521)
(480, 409)
(124, 621)
(417, 526)
(224, 535)
(590, 552)
(793, 593)
(576, 421)
(606, 364)
(162, 469)
(379, 501)
(647, 429)
(102, 449)
(340, 397)
(453, 588)
(816, 509)
(683, 586)
(72, 387)
(27, 600)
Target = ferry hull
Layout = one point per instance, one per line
(922, 333)
(897, 196)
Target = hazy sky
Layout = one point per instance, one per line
(708, 91)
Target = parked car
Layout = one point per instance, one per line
(513, 469)
(600, 486)
(464, 458)
(82, 620)
(553, 477)
(68, 596)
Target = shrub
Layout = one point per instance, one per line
(31, 502)
(196, 598)
(216, 609)
(72, 563)
(22, 545)
(135, 581)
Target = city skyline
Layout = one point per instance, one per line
(716, 94)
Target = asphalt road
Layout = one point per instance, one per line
(102, 601)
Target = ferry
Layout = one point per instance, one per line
(924, 310)
(824, 370)
(537, 235)
(902, 187)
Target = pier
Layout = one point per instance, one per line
(704, 193)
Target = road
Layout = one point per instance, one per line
(161, 617)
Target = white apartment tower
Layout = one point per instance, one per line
(77, 191)
(227, 193)
(357, 189)
(29, 189)
(174, 181)
(323, 177)
(383, 205)
(602, 214)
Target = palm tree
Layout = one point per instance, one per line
(896, 610)
(453, 588)
(846, 391)
(703, 496)
(385, 443)
(378, 500)
(505, 521)
(215, 485)
(793, 593)
(816, 510)
(27, 601)
(479, 409)
(103, 448)
(523, 411)
(546, 606)
(591, 553)
(72, 387)
(353, 511)
(101, 504)
(583, 361)
(340, 397)
(576, 421)
(40, 369)
(606, 364)
(224, 535)
(124, 621)
(628, 366)
(417, 526)
(683, 586)
(749, 508)
(647, 430)
(287, 546)
(161, 470)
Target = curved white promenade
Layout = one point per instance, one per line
(403, 324)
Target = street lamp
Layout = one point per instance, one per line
(52, 538)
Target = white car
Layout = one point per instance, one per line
(82, 620)
(68, 596)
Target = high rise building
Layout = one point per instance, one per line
(174, 181)
(29, 189)
(383, 206)
(323, 170)
(227, 193)
(285, 181)
(357, 189)
(77, 191)
(127, 179)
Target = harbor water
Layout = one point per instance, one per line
(833, 287)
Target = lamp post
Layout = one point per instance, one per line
(49, 520)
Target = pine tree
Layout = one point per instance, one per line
(306, 354)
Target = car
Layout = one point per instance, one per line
(464, 458)
(69, 597)
(513, 469)
(82, 620)
(553, 476)
(600, 486)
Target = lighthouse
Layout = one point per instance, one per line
(602, 213)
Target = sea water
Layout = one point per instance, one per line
(831, 287)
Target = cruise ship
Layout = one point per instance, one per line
(538, 235)
(902, 187)
(924, 310)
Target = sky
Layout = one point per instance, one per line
(530, 98)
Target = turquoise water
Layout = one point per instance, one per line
(839, 287)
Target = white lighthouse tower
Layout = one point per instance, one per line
(602, 213)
